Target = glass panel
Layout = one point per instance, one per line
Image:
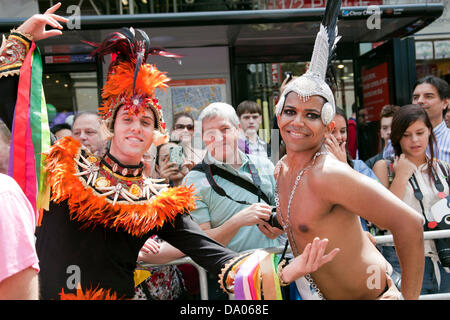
(67, 93)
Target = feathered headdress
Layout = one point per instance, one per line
(317, 80)
(131, 82)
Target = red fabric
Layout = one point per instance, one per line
(351, 138)
(22, 134)
(190, 277)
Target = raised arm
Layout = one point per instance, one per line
(35, 25)
(13, 52)
(403, 170)
(380, 170)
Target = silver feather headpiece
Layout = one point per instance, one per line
(313, 82)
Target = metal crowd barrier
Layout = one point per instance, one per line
(381, 240)
(203, 280)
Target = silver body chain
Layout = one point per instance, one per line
(286, 223)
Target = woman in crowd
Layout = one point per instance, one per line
(336, 143)
(172, 172)
(183, 131)
(420, 181)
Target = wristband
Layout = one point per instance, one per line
(13, 52)
(280, 267)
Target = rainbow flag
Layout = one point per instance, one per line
(30, 136)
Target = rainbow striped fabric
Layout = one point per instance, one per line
(30, 136)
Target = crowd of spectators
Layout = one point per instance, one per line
(229, 165)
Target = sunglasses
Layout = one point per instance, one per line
(184, 126)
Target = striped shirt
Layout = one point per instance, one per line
(442, 134)
(388, 150)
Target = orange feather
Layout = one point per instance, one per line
(93, 210)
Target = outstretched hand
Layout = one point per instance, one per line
(35, 25)
(312, 258)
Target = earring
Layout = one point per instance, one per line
(327, 113)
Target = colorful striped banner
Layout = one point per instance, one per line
(30, 137)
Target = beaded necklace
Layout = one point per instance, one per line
(286, 222)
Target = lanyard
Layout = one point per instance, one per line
(418, 193)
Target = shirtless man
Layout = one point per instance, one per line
(327, 203)
(320, 196)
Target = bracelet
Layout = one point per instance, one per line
(280, 267)
(23, 37)
(13, 52)
(226, 281)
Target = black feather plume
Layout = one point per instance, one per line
(127, 46)
(330, 20)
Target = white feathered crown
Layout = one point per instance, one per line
(313, 82)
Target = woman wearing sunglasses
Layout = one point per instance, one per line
(183, 131)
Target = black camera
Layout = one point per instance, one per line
(443, 250)
(273, 221)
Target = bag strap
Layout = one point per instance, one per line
(390, 169)
(418, 193)
(444, 169)
(211, 170)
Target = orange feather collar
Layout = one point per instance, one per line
(91, 209)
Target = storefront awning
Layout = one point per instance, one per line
(254, 35)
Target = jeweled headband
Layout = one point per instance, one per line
(313, 82)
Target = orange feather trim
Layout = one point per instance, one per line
(120, 82)
(93, 294)
(92, 210)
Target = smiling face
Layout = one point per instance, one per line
(221, 139)
(133, 135)
(340, 129)
(300, 123)
(414, 141)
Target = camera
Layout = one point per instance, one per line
(273, 221)
(443, 250)
(440, 212)
(176, 155)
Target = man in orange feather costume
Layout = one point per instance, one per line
(102, 209)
